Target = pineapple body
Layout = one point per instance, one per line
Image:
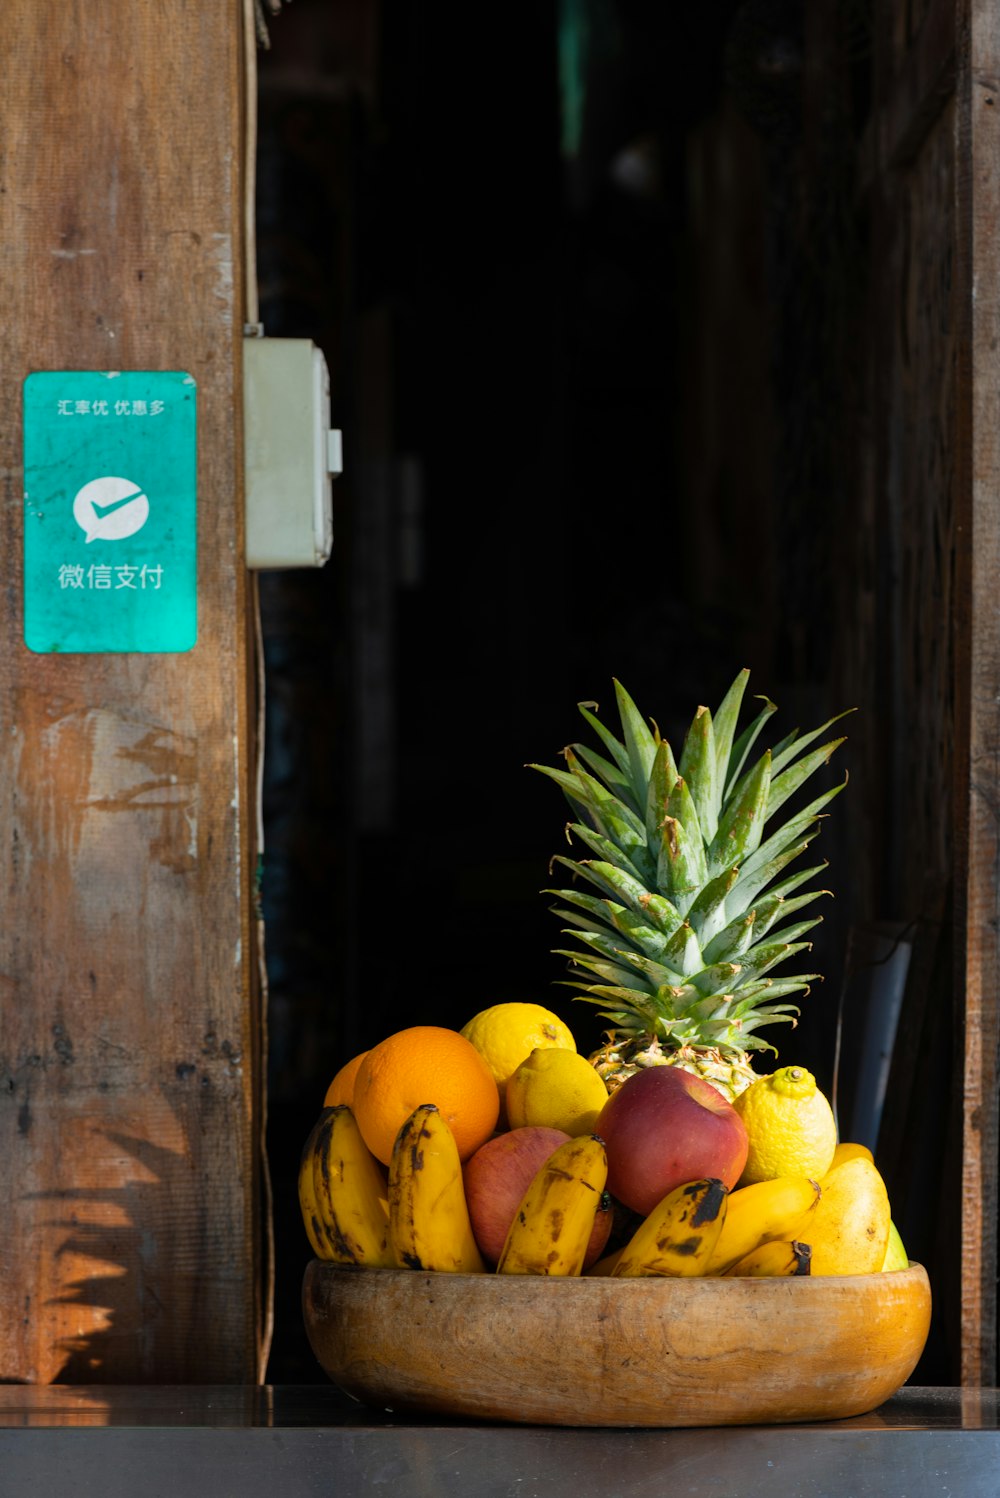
(685, 905)
(624, 1054)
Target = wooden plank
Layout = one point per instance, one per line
(129, 1034)
(978, 666)
(913, 96)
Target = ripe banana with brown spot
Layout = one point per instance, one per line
(350, 1193)
(760, 1213)
(429, 1225)
(679, 1235)
(308, 1204)
(771, 1260)
(551, 1229)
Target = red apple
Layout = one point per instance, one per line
(496, 1178)
(663, 1127)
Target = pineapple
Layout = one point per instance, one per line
(678, 943)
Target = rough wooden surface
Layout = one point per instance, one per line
(653, 1352)
(128, 1038)
(934, 471)
(978, 673)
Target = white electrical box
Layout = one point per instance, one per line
(291, 453)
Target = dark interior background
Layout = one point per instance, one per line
(587, 275)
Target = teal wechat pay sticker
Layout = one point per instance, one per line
(110, 513)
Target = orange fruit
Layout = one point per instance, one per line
(425, 1064)
(341, 1089)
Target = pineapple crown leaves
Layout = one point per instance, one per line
(685, 914)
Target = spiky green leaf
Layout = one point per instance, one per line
(639, 741)
(744, 744)
(718, 978)
(789, 781)
(680, 868)
(683, 951)
(611, 947)
(680, 806)
(629, 888)
(673, 942)
(788, 834)
(791, 747)
(607, 971)
(610, 852)
(747, 887)
(770, 913)
(613, 745)
(617, 783)
(610, 941)
(769, 906)
(708, 912)
(697, 768)
(656, 975)
(724, 724)
(662, 779)
(767, 955)
(610, 815)
(742, 820)
(610, 915)
(732, 941)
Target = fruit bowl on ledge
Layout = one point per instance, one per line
(594, 1351)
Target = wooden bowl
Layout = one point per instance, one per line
(597, 1351)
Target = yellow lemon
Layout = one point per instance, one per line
(790, 1125)
(556, 1089)
(506, 1034)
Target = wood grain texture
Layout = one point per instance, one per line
(913, 94)
(129, 1038)
(650, 1352)
(935, 473)
(978, 669)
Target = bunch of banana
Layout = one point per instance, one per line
(765, 1212)
(307, 1192)
(773, 1259)
(342, 1194)
(678, 1237)
(839, 1225)
(419, 1219)
(429, 1226)
(551, 1230)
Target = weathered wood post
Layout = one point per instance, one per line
(977, 30)
(130, 1063)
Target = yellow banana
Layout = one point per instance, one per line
(679, 1235)
(429, 1226)
(759, 1213)
(350, 1193)
(552, 1226)
(769, 1260)
(311, 1218)
(606, 1265)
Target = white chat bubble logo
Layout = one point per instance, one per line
(109, 509)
